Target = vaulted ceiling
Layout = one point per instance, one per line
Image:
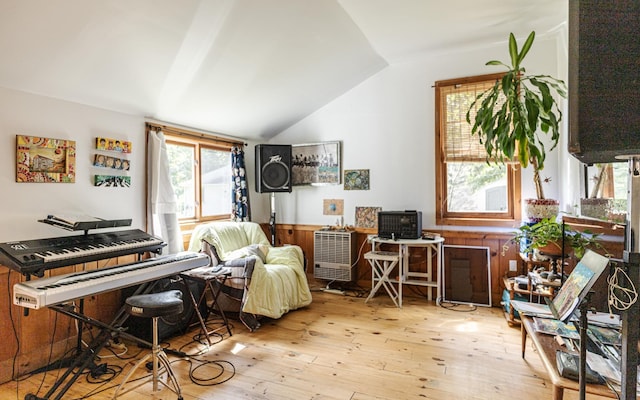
(248, 68)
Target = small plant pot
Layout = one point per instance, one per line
(538, 209)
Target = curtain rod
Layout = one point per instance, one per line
(186, 130)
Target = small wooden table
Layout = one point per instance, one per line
(547, 346)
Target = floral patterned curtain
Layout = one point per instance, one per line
(240, 190)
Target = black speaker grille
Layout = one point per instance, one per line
(604, 79)
(275, 175)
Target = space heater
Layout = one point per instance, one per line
(334, 255)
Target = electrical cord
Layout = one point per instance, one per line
(622, 291)
(454, 307)
(15, 333)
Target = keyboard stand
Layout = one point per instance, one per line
(85, 358)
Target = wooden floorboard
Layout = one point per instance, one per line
(340, 348)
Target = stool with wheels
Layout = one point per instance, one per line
(154, 306)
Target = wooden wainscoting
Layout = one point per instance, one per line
(500, 252)
(302, 235)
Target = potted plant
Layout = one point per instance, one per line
(546, 237)
(514, 118)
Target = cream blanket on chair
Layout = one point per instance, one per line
(278, 282)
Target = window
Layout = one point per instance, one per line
(470, 191)
(200, 169)
(606, 187)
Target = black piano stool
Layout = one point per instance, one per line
(154, 306)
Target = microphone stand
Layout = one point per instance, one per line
(272, 220)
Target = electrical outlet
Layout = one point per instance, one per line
(513, 265)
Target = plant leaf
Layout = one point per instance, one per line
(513, 51)
(526, 47)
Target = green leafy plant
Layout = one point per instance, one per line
(548, 232)
(509, 117)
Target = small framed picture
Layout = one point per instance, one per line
(108, 144)
(356, 179)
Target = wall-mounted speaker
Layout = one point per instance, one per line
(604, 79)
(273, 168)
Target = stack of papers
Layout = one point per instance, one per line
(532, 309)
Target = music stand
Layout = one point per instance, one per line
(577, 285)
(573, 295)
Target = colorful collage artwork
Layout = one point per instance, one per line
(45, 160)
(121, 146)
(117, 165)
(367, 217)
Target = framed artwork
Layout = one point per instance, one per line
(100, 160)
(109, 144)
(333, 207)
(367, 217)
(315, 164)
(45, 160)
(356, 179)
(112, 181)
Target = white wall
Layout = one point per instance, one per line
(23, 204)
(386, 125)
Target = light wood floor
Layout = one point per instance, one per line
(341, 348)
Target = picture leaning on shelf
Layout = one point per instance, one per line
(121, 146)
(100, 160)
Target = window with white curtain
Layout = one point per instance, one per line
(200, 169)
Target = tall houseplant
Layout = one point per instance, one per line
(513, 117)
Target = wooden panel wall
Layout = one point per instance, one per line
(500, 251)
(302, 235)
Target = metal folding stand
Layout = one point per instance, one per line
(213, 282)
(582, 370)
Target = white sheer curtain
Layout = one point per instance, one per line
(162, 204)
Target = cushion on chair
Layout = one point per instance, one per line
(155, 304)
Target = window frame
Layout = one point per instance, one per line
(514, 196)
(198, 140)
